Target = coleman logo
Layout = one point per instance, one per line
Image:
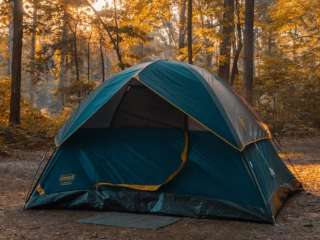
(66, 179)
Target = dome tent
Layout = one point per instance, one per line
(169, 138)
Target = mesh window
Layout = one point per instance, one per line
(141, 108)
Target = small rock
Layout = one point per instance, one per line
(94, 235)
(308, 225)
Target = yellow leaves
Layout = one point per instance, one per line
(286, 14)
(208, 33)
(37, 127)
(288, 9)
(222, 59)
(294, 25)
(4, 100)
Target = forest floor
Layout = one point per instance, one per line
(299, 219)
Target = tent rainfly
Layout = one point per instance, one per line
(165, 137)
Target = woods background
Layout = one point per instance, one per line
(69, 47)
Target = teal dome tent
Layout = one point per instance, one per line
(165, 137)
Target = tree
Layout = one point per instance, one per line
(89, 58)
(117, 37)
(115, 41)
(14, 117)
(225, 45)
(182, 24)
(103, 74)
(249, 50)
(189, 28)
(239, 45)
(74, 31)
(33, 76)
(63, 53)
(10, 38)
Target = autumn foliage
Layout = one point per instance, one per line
(37, 127)
(71, 47)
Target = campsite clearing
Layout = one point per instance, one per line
(299, 219)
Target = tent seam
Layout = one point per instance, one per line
(70, 134)
(240, 149)
(222, 111)
(244, 102)
(202, 124)
(195, 119)
(250, 169)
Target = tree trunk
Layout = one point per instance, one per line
(235, 69)
(33, 76)
(88, 59)
(10, 38)
(189, 27)
(107, 64)
(249, 50)
(225, 45)
(48, 85)
(205, 23)
(76, 61)
(102, 60)
(75, 57)
(182, 24)
(62, 68)
(117, 40)
(14, 117)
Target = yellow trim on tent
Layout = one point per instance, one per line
(40, 190)
(184, 159)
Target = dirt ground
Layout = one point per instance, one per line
(299, 219)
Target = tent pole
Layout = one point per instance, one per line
(34, 182)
